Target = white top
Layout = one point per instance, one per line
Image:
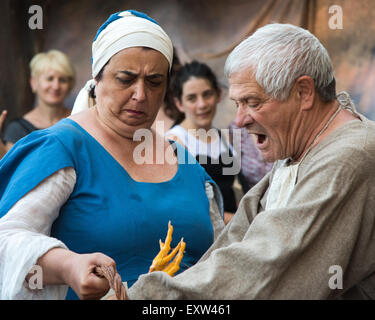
(282, 186)
(25, 236)
(198, 146)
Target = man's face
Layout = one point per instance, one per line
(273, 123)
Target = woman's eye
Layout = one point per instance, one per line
(208, 94)
(124, 81)
(155, 83)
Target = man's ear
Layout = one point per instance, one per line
(178, 105)
(305, 90)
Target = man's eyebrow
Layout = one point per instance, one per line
(246, 98)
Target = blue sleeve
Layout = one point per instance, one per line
(29, 162)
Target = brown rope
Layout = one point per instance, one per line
(114, 280)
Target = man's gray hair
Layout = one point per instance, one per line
(280, 53)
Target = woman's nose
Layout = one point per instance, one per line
(139, 93)
(201, 102)
(55, 84)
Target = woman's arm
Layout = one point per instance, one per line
(24, 236)
(62, 266)
(25, 241)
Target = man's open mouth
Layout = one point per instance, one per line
(261, 138)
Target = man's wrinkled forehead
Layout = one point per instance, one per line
(242, 85)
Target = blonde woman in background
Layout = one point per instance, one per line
(52, 79)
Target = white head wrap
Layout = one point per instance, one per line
(122, 30)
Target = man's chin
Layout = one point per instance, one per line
(268, 157)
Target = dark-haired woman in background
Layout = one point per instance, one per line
(196, 95)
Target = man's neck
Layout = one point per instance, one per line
(323, 120)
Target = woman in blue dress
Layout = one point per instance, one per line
(99, 187)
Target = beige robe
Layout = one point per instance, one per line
(293, 252)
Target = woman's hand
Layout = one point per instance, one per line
(62, 266)
(81, 276)
(3, 150)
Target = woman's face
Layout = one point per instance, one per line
(51, 87)
(198, 101)
(132, 89)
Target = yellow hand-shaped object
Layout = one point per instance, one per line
(160, 263)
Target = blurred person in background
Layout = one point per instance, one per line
(196, 96)
(52, 79)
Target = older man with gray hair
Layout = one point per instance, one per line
(306, 230)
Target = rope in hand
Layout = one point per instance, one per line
(114, 280)
(160, 263)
